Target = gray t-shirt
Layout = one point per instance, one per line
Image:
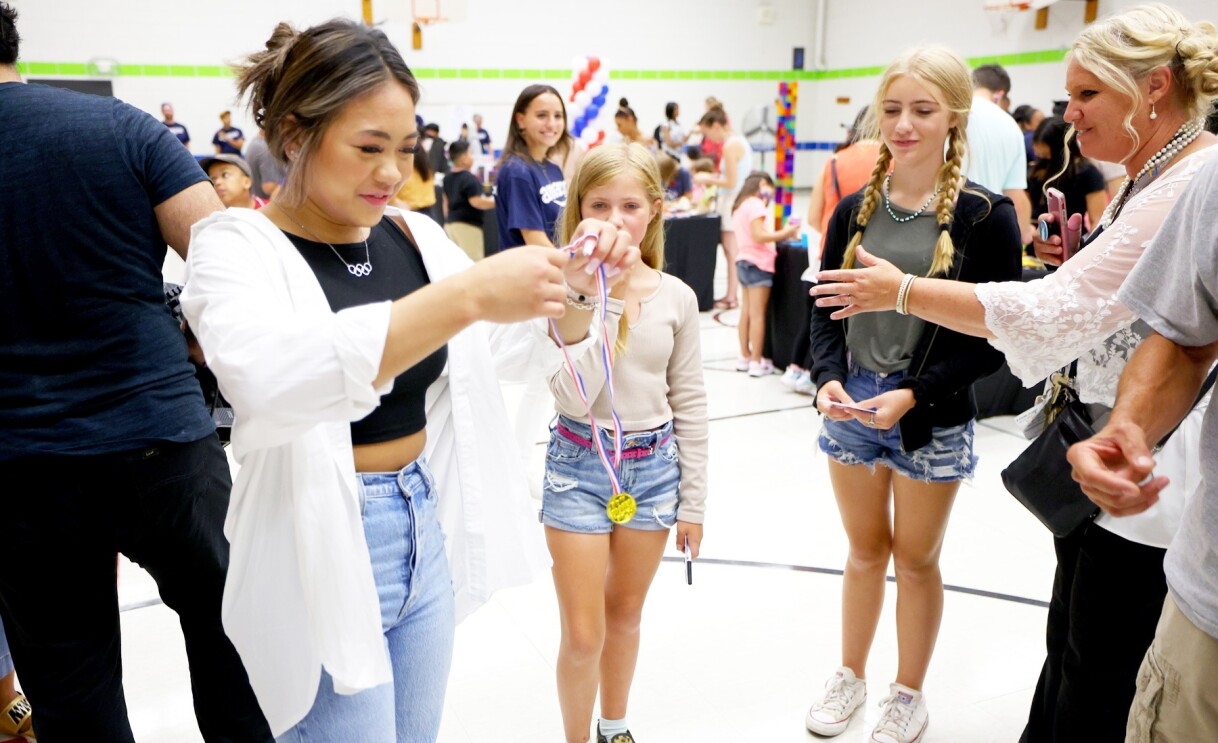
(885, 341)
(1174, 288)
(263, 166)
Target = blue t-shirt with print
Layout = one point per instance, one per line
(528, 196)
(681, 184)
(91, 360)
(224, 139)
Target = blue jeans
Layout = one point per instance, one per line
(417, 614)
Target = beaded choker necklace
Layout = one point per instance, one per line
(1183, 137)
(911, 217)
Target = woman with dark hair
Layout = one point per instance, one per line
(673, 136)
(529, 188)
(418, 193)
(628, 126)
(369, 423)
(1028, 117)
(1079, 180)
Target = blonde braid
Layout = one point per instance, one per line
(870, 200)
(949, 182)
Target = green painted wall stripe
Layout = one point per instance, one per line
(80, 69)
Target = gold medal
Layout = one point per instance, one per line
(621, 508)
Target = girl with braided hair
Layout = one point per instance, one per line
(895, 390)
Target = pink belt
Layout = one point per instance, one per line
(633, 452)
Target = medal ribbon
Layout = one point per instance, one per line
(607, 361)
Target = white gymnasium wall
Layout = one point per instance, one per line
(709, 38)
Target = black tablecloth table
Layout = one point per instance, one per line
(786, 315)
(690, 247)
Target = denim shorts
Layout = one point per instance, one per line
(751, 275)
(577, 490)
(947, 458)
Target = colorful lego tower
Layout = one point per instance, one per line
(784, 152)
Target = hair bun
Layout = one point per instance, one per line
(281, 37)
(623, 103)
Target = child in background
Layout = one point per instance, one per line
(466, 202)
(755, 267)
(678, 184)
(703, 197)
(604, 568)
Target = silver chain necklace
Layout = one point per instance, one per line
(359, 270)
(1183, 137)
(911, 217)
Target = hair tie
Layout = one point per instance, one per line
(945, 227)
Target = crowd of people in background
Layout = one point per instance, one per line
(347, 302)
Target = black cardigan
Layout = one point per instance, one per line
(945, 363)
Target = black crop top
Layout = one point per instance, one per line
(397, 270)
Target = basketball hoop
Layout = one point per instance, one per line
(427, 12)
(1000, 13)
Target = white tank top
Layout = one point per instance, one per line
(743, 165)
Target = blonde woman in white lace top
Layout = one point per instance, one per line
(1139, 83)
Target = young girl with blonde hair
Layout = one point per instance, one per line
(603, 567)
(895, 390)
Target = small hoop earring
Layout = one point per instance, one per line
(1153, 114)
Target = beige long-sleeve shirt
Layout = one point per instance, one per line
(657, 379)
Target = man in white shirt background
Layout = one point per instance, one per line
(997, 157)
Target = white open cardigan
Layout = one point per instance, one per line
(300, 593)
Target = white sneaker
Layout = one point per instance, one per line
(742, 363)
(757, 369)
(791, 375)
(844, 694)
(903, 716)
(804, 385)
(767, 366)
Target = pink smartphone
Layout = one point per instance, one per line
(1060, 225)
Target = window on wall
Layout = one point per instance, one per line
(92, 87)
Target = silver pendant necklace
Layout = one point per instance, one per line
(911, 217)
(359, 270)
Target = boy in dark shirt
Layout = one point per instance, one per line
(466, 201)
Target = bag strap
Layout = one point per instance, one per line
(1205, 388)
(837, 187)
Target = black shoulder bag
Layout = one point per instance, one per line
(1041, 478)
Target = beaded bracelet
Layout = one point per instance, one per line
(903, 294)
(582, 301)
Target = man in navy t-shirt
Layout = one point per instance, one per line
(106, 446)
(178, 130)
(484, 137)
(228, 139)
